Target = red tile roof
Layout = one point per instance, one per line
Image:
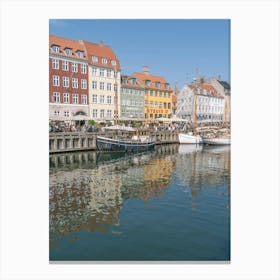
(208, 88)
(138, 84)
(66, 43)
(101, 51)
(143, 77)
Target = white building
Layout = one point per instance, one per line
(209, 104)
(104, 82)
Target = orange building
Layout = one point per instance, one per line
(158, 96)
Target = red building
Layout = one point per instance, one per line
(68, 79)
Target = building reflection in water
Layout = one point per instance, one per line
(88, 189)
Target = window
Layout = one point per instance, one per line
(80, 54)
(109, 86)
(55, 64)
(101, 99)
(147, 83)
(65, 97)
(94, 113)
(66, 114)
(68, 52)
(75, 98)
(102, 111)
(94, 98)
(65, 65)
(74, 82)
(102, 71)
(56, 81)
(56, 113)
(94, 58)
(109, 73)
(65, 82)
(104, 61)
(84, 99)
(94, 71)
(109, 99)
(109, 113)
(55, 49)
(83, 84)
(83, 68)
(56, 97)
(151, 93)
(157, 84)
(101, 86)
(74, 67)
(94, 85)
(113, 62)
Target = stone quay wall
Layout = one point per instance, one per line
(83, 141)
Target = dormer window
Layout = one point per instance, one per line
(104, 60)
(167, 86)
(55, 49)
(80, 54)
(113, 62)
(147, 83)
(68, 51)
(157, 84)
(94, 58)
(133, 81)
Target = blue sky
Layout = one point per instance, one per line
(171, 48)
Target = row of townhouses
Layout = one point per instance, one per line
(85, 80)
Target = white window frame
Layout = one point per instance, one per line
(75, 98)
(102, 72)
(83, 83)
(65, 65)
(109, 86)
(68, 51)
(74, 67)
(55, 49)
(56, 97)
(84, 99)
(102, 113)
(101, 85)
(94, 113)
(75, 83)
(94, 58)
(94, 98)
(94, 84)
(66, 97)
(83, 68)
(66, 113)
(55, 80)
(104, 60)
(109, 99)
(55, 63)
(101, 99)
(65, 82)
(80, 54)
(95, 71)
(109, 73)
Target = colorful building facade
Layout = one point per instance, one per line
(68, 79)
(132, 98)
(158, 95)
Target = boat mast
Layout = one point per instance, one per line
(194, 103)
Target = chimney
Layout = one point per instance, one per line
(101, 43)
(146, 70)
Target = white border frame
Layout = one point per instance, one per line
(255, 148)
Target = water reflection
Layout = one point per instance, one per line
(89, 189)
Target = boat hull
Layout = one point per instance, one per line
(217, 141)
(189, 139)
(108, 144)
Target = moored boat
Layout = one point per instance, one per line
(185, 138)
(109, 144)
(216, 141)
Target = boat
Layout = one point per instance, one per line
(187, 138)
(216, 141)
(192, 138)
(137, 145)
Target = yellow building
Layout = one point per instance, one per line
(158, 96)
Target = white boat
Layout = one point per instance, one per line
(216, 141)
(185, 138)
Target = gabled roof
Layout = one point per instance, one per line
(64, 43)
(101, 51)
(137, 85)
(144, 77)
(206, 87)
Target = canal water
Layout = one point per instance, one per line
(171, 204)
